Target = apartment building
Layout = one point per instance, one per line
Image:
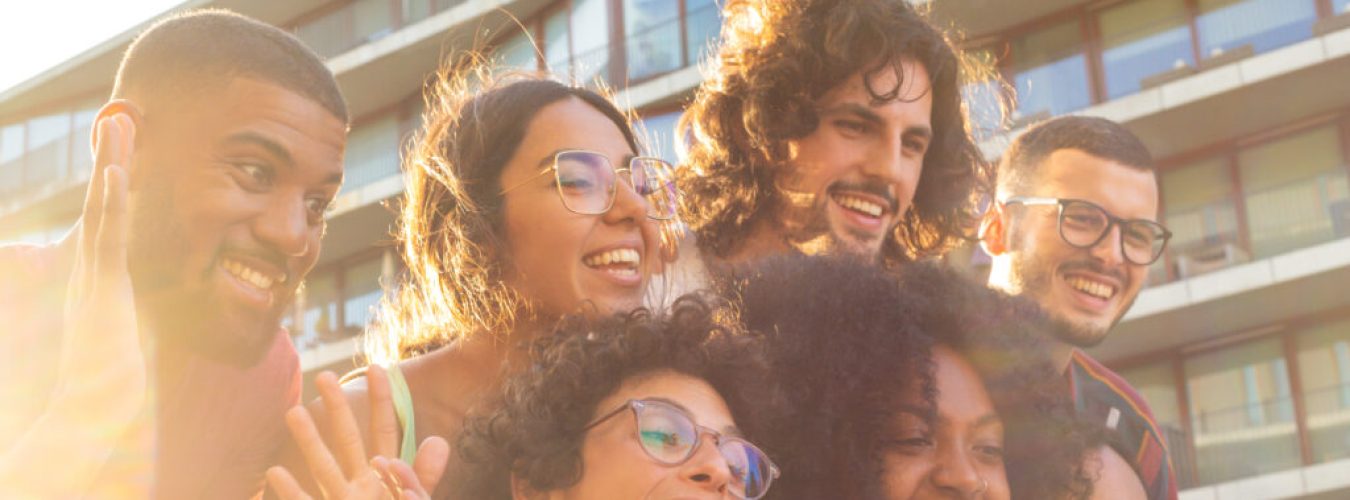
(1241, 342)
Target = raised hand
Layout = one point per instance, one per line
(340, 464)
(101, 389)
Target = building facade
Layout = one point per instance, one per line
(1241, 342)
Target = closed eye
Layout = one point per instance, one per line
(254, 176)
(851, 127)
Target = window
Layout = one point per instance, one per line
(1050, 71)
(984, 95)
(1199, 210)
(661, 130)
(371, 20)
(11, 157)
(557, 48)
(652, 28)
(1141, 39)
(1341, 6)
(372, 152)
(48, 148)
(590, 40)
(1242, 412)
(1225, 25)
(1324, 369)
(361, 287)
(81, 156)
(1291, 186)
(704, 21)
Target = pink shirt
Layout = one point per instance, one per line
(217, 427)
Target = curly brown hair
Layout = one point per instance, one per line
(847, 340)
(450, 227)
(537, 428)
(777, 59)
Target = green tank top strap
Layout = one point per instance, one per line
(398, 390)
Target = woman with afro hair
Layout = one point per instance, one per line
(914, 384)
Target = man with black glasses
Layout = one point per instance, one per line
(1074, 226)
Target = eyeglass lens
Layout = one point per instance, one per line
(587, 183)
(668, 436)
(1084, 224)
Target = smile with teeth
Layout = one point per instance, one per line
(1093, 288)
(245, 273)
(858, 205)
(619, 261)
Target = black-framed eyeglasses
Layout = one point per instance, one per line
(670, 436)
(587, 182)
(1083, 224)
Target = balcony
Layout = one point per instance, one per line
(363, 21)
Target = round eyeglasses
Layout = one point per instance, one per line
(1083, 224)
(670, 436)
(587, 182)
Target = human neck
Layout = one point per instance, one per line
(1061, 354)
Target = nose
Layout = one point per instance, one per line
(887, 162)
(707, 469)
(956, 475)
(284, 226)
(1108, 250)
(628, 207)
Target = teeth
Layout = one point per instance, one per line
(1092, 288)
(627, 256)
(859, 204)
(250, 275)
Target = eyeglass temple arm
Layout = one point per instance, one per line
(607, 416)
(541, 173)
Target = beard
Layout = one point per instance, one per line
(804, 223)
(180, 304)
(1034, 278)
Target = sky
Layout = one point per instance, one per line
(38, 34)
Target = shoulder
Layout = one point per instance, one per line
(1097, 378)
(1113, 477)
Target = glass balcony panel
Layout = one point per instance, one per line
(652, 37)
(48, 149)
(320, 317)
(11, 157)
(1226, 25)
(518, 53)
(1324, 369)
(371, 20)
(363, 291)
(704, 21)
(1050, 71)
(372, 153)
(416, 10)
(590, 40)
(984, 95)
(1291, 187)
(346, 28)
(1141, 39)
(1242, 412)
(1341, 6)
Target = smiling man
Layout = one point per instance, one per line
(1074, 227)
(827, 127)
(143, 354)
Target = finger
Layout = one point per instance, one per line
(90, 219)
(368, 485)
(111, 245)
(321, 463)
(127, 144)
(384, 428)
(392, 483)
(429, 465)
(284, 484)
(406, 479)
(344, 435)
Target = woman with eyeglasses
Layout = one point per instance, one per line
(527, 200)
(637, 406)
(914, 385)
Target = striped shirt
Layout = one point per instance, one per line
(1102, 395)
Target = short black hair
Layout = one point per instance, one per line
(187, 52)
(536, 430)
(1095, 136)
(847, 339)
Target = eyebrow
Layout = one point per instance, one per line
(730, 430)
(275, 149)
(865, 113)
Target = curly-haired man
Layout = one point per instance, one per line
(829, 126)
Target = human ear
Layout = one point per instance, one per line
(993, 230)
(521, 490)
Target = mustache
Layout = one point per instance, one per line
(874, 188)
(1094, 266)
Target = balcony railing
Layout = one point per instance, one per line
(363, 21)
(30, 161)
